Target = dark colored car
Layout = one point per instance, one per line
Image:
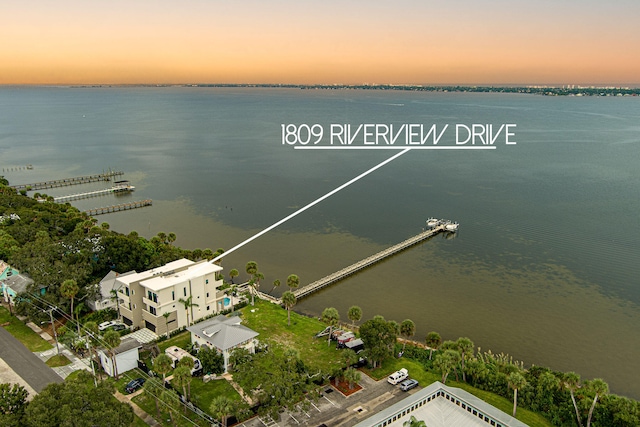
(407, 385)
(133, 385)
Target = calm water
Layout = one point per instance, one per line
(545, 266)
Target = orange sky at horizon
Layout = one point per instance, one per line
(163, 42)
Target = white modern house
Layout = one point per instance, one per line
(104, 294)
(225, 334)
(126, 357)
(152, 299)
(439, 405)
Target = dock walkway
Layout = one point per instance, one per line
(120, 207)
(67, 181)
(353, 268)
(115, 189)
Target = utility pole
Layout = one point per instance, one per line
(93, 370)
(55, 334)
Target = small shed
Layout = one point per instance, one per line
(126, 355)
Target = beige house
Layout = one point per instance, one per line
(147, 296)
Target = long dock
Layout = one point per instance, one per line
(353, 268)
(120, 207)
(67, 181)
(118, 189)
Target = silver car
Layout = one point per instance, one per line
(407, 385)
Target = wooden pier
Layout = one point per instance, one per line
(118, 189)
(353, 268)
(120, 207)
(37, 186)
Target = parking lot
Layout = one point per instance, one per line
(334, 409)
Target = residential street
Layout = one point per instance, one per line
(25, 364)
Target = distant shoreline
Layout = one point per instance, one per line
(565, 90)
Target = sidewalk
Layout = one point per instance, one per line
(64, 371)
(148, 419)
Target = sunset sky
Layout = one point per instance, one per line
(352, 42)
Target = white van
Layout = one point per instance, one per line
(398, 376)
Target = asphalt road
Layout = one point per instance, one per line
(26, 364)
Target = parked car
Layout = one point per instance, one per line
(133, 385)
(398, 376)
(111, 324)
(407, 385)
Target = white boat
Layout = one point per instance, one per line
(433, 222)
(452, 226)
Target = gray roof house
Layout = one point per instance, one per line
(15, 284)
(224, 334)
(104, 298)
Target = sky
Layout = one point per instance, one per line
(321, 42)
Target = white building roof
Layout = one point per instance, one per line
(441, 406)
(223, 332)
(172, 278)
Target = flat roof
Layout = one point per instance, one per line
(171, 278)
(441, 406)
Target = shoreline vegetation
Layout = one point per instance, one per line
(55, 243)
(543, 90)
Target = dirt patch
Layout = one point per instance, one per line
(343, 387)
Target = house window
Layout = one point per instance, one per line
(206, 281)
(126, 291)
(207, 294)
(152, 310)
(208, 308)
(173, 295)
(185, 292)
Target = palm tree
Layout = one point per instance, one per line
(171, 237)
(166, 321)
(465, 347)
(182, 376)
(162, 364)
(331, 317)
(446, 361)
(571, 380)
(407, 330)
(222, 407)
(251, 268)
(233, 273)
(414, 422)
(289, 300)
(171, 401)
(293, 281)
(188, 304)
(516, 381)
(599, 388)
(69, 289)
(276, 283)
(114, 297)
(433, 341)
(354, 314)
(112, 340)
(352, 376)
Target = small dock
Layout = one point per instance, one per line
(360, 265)
(37, 186)
(118, 189)
(120, 207)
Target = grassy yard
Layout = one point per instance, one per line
(202, 394)
(270, 321)
(22, 332)
(182, 340)
(148, 404)
(58, 360)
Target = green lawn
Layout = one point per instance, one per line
(182, 340)
(270, 321)
(137, 422)
(22, 332)
(148, 404)
(58, 360)
(202, 394)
